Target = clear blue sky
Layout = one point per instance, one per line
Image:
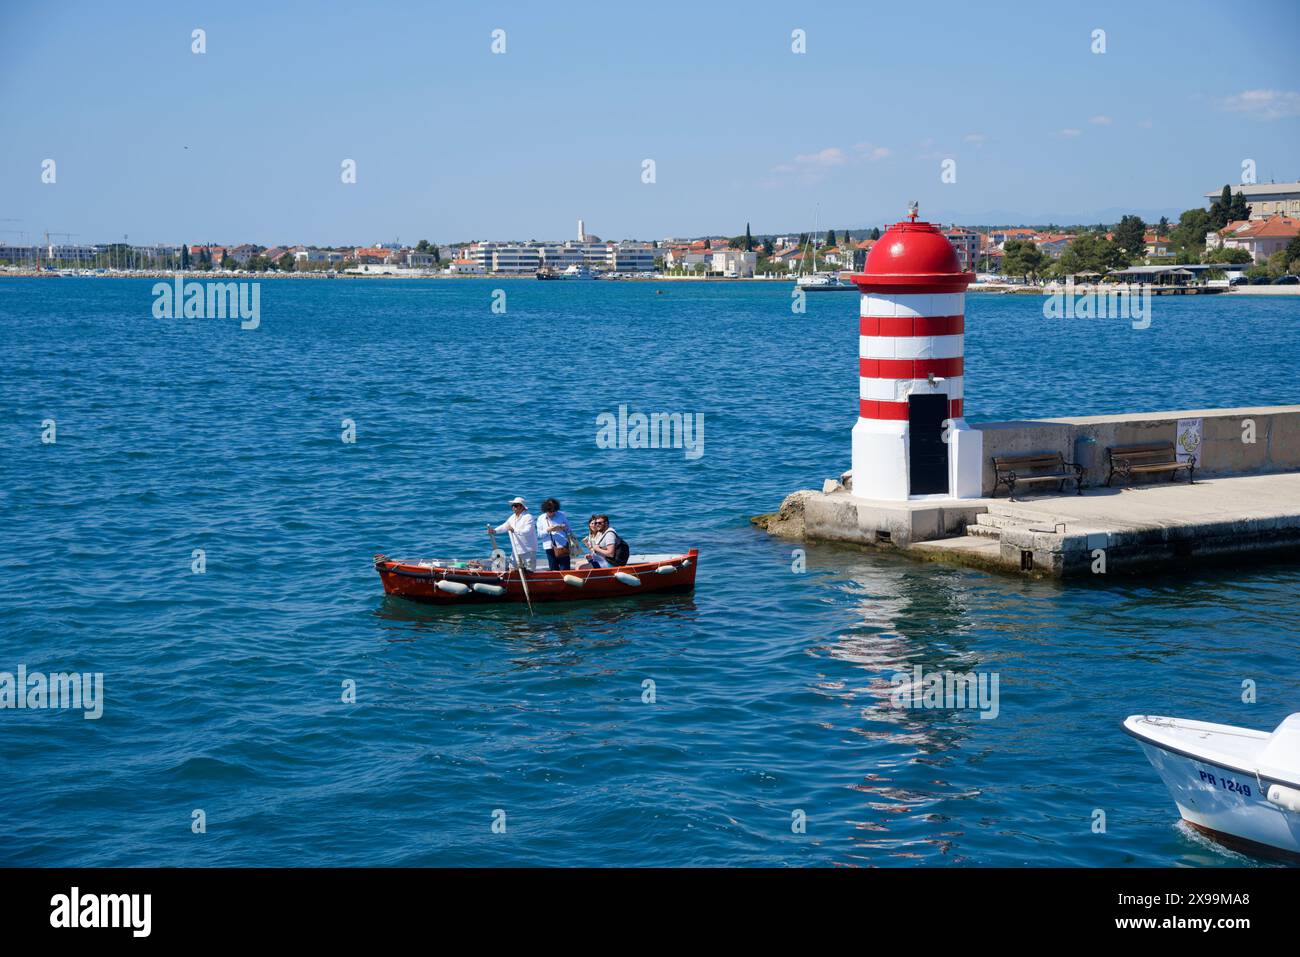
(245, 142)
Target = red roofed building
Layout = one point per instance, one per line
(1259, 237)
(967, 244)
(1157, 245)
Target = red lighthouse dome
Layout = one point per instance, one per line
(913, 257)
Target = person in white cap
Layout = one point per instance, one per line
(522, 528)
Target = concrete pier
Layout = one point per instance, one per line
(1244, 503)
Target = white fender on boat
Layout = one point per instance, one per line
(483, 588)
(685, 562)
(574, 580)
(454, 588)
(665, 569)
(1284, 797)
(627, 579)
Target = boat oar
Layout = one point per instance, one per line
(519, 566)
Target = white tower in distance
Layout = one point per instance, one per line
(582, 232)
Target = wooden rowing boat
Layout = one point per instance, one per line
(449, 582)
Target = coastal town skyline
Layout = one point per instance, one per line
(453, 134)
(1249, 233)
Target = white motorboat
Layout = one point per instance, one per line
(1236, 785)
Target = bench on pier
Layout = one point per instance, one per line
(1127, 461)
(1013, 470)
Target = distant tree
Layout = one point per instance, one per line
(185, 256)
(1022, 258)
(768, 246)
(875, 232)
(749, 239)
(1162, 227)
(422, 246)
(437, 256)
(803, 238)
(830, 237)
(1091, 252)
(285, 263)
(1293, 248)
(1277, 264)
(1225, 254)
(1239, 209)
(1130, 235)
(708, 244)
(1221, 208)
(227, 262)
(1189, 235)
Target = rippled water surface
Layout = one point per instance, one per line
(771, 688)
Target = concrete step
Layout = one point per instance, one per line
(1011, 514)
(978, 547)
(985, 531)
(994, 520)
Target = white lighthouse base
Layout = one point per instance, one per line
(965, 461)
(880, 460)
(881, 465)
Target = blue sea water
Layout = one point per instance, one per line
(223, 690)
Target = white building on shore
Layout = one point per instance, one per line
(1265, 199)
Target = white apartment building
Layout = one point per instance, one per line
(17, 254)
(631, 257)
(312, 256)
(517, 258)
(1265, 199)
(735, 263)
(967, 244)
(69, 252)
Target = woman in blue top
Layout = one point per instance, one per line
(553, 530)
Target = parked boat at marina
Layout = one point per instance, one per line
(1236, 785)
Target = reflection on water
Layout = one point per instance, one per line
(899, 619)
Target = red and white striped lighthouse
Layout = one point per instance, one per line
(910, 440)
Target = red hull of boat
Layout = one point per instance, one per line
(420, 582)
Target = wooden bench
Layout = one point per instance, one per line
(1013, 470)
(1153, 457)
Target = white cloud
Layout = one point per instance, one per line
(1100, 120)
(831, 156)
(867, 151)
(812, 167)
(1262, 104)
(976, 138)
(1069, 133)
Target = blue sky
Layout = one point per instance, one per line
(452, 142)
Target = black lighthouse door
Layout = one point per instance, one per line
(927, 451)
